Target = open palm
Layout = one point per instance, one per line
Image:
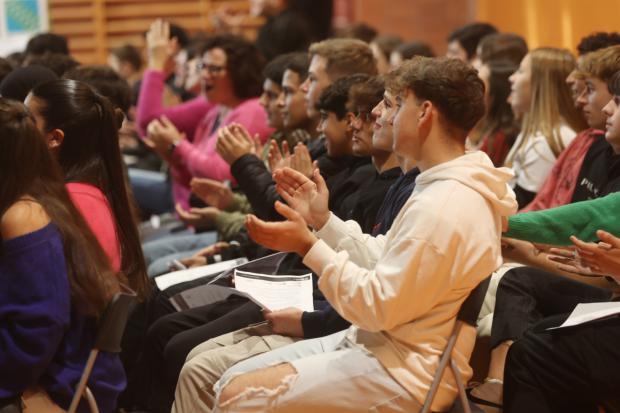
(309, 198)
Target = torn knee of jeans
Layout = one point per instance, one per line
(230, 393)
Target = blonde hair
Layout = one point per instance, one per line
(551, 104)
(345, 57)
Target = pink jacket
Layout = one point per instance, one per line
(196, 155)
(560, 184)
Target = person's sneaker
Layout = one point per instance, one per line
(488, 395)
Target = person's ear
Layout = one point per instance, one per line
(425, 118)
(54, 139)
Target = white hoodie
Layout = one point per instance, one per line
(444, 241)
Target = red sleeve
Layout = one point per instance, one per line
(97, 213)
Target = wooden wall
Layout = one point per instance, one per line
(95, 26)
(430, 21)
(557, 23)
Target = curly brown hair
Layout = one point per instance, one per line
(451, 85)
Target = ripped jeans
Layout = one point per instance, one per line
(332, 375)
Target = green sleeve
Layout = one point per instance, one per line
(554, 226)
(228, 224)
(240, 203)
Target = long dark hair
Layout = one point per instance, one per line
(27, 168)
(499, 116)
(90, 153)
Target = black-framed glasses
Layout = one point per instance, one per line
(212, 69)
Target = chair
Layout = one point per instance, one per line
(468, 314)
(109, 337)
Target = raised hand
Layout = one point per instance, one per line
(310, 198)
(215, 193)
(277, 159)
(159, 45)
(291, 235)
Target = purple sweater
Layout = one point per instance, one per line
(196, 155)
(43, 340)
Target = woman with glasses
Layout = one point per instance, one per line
(185, 135)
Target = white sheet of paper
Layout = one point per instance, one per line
(584, 313)
(275, 292)
(173, 278)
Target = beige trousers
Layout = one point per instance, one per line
(207, 362)
(37, 400)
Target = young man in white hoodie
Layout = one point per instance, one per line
(444, 242)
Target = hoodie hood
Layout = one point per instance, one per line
(476, 170)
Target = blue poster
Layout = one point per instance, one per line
(22, 16)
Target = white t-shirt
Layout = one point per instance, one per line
(533, 162)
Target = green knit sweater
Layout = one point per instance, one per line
(554, 226)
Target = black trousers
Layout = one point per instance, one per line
(171, 338)
(527, 295)
(566, 370)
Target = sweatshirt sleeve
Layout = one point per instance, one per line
(34, 311)
(202, 159)
(185, 116)
(363, 249)
(204, 163)
(228, 224)
(555, 226)
(322, 322)
(374, 300)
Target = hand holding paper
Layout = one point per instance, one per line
(286, 322)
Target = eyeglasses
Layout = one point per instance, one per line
(212, 69)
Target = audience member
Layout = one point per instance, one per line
(382, 47)
(185, 136)
(500, 46)
(58, 280)
(17, 84)
(59, 63)
(407, 51)
(380, 344)
(359, 31)
(463, 42)
(46, 42)
(498, 129)
(80, 128)
(540, 97)
(127, 62)
(106, 82)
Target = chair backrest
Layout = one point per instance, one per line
(113, 321)
(470, 309)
